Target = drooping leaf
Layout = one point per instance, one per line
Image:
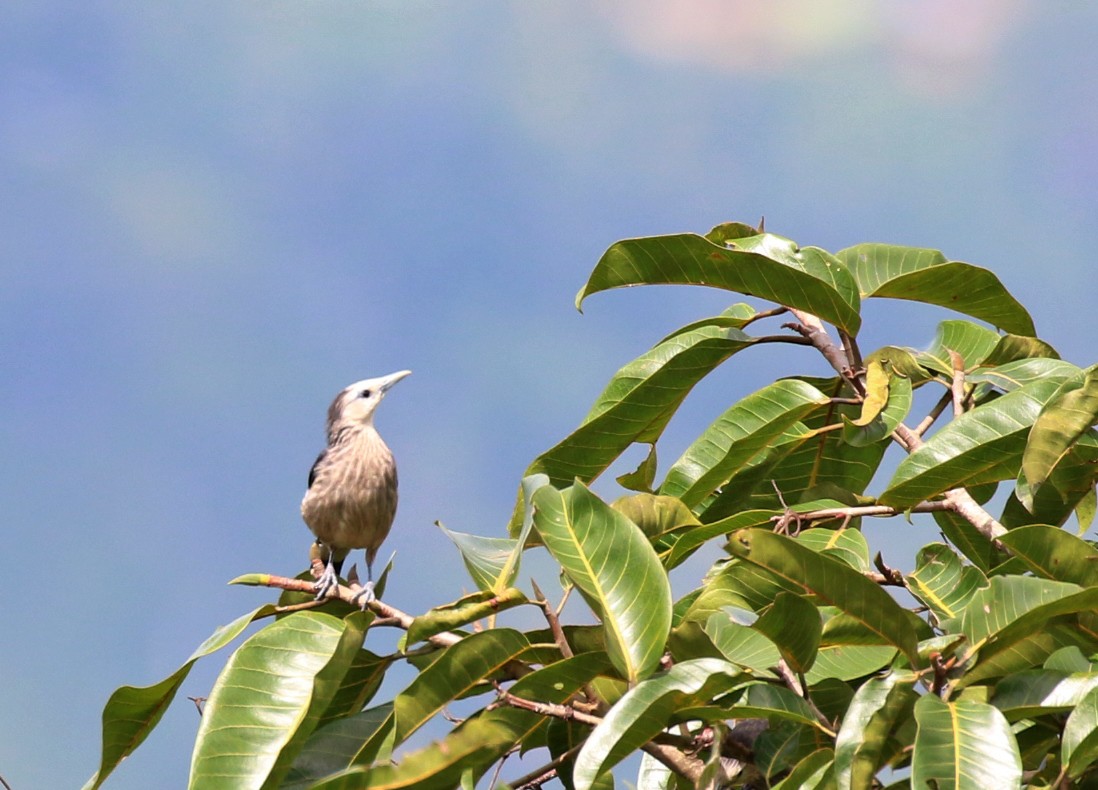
(636, 405)
(925, 275)
(1060, 424)
(991, 435)
(611, 562)
(886, 406)
(459, 669)
(484, 558)
(1012, 348)
(793, 624)
(766, 266)
(646, 709)
(742, 645)
(832, 581)
(942, 582)
(769, 701)
(878, 705)
(739, 436)
(270, 696)
(657, 516)
(463, 611)
(963, 745)
(132, 712)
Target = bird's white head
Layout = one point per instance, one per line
(356, 404)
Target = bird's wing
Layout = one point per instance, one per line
(316, 465)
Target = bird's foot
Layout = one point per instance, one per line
(364, 596)
(327, 583)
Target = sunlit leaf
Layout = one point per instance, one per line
(925, 275)
(847, 545)
(463, 611)
(739, 436)
(990, 435)
(132, 712)
(1054, 554)
(766, 266)
(611, 562)
(646, 709)
(459, 669)
(832, 581)
(636, 405)
(1080, 746)
(270, 696)
(963, 745)
(942, 582)
(878, 705)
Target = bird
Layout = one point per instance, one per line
(351, 499)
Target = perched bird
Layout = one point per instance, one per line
(352, 494)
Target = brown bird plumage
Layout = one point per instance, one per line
(352, 495)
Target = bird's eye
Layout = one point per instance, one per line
(367, 393)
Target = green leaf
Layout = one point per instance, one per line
(1080, 744)
(973, 342)
(1015, 375)
(132, 712)
(767, 266)
(925, 275)
(942, 582)
(657, 516)
(739, 436)
(848, 662)
(484, 558)
(887, 403)
(471, 747)
(1040, 691)
(615, 568)
(1060, 424)
(742, 645)
(963, 745)
(1011, 348)
(811, 772)
(637, 404)
(646, 709)
(847, 545)
(990, 436)
(878, 705)
(270, 696)
(1054, 554)
(461, 668)
(461, 612)
(833, 582)
(767, 701)
(794, 625)
(363, 678)
(338, 745)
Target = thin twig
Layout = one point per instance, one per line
(793, 339)
(690, 768)
(499, 767)
(957, 386)
(934, 414)
(794, 684)
(543, 774)
(554, 621)
(765, 314)
(826, 514)
(4, 782)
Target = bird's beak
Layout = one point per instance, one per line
(385, 382)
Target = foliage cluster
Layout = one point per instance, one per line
(799, 660)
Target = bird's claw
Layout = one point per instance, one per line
(364, 596)
(327, 583)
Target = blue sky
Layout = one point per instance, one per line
(213, 216)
